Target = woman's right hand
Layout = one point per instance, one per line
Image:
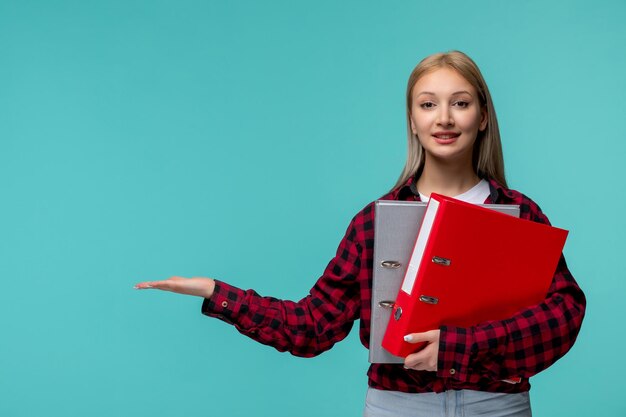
(198, 286)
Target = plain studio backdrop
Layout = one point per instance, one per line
(236, 139)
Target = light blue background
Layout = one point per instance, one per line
(142, 139)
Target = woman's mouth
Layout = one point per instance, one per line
(445, 138)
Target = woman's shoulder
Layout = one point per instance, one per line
(362, 225)
(363, 221)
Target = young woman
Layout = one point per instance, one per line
(453, 149)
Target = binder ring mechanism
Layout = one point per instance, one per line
(423, 298)
(391, 305)
(428, 299)
(386, 304)
(391, 264)
(441, 261)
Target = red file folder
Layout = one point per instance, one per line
(470, 265)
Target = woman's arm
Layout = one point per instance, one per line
(523, 345)
(304, 328)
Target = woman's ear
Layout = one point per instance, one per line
(483, 120)
(413, 128)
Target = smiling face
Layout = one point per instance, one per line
(446, 116)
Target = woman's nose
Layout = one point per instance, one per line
(445, 117)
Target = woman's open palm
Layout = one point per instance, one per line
(198, 286)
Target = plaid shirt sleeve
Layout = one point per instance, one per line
(304, 328)
(524, 344)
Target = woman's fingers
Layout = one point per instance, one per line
(159, 285)
(143, 285)
(425, 359)
(429, 336)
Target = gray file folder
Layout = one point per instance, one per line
(396, 226)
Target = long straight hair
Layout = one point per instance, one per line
(487, 159)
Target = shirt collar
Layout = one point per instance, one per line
(409, 191)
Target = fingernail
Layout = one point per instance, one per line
(408, 338)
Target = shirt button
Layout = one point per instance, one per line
(224, 304)
(452, 371)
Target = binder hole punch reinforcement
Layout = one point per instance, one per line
(386, 304)
(428, 300)
(398, 313)
(441, 261)
(391, 264)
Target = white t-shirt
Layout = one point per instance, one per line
(475, 195)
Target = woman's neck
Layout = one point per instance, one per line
(446, 179)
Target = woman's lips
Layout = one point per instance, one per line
(445, 138)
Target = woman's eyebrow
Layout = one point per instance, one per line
(462, 92)
(456, 93)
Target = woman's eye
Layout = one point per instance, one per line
(427, 105)
(461, 104)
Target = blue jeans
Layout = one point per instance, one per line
(463, 403)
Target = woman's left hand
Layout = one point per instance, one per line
(425, 359)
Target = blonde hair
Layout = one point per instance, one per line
(487, 159)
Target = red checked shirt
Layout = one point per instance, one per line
(476, 358)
